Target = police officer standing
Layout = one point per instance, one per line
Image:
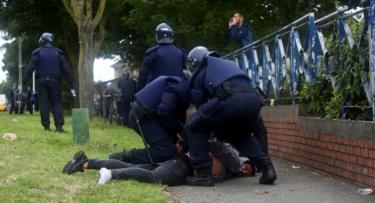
(227, 103)
(163, 59)
(48, 62)
(128, 90)
(14, 96)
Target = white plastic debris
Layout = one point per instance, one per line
(364, 191)
(295, 166)
(14, 119)
(9, 136)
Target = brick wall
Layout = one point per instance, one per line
(350, 159)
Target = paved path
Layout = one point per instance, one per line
(292, 185)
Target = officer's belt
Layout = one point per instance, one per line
(225, 90)
(144, 113)
(48, 77)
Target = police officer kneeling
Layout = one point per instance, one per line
(48, 62)
(161, 107)
(232, 110)
(163, 59)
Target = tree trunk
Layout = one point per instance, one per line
(81, 13)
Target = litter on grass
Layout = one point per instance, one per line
(9, 136)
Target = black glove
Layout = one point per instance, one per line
(72, 86)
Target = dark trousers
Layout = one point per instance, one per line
(32, 104)
(125, 107)
(49, 91)
(119, 110)
(234, 119)
(23, 104)
(175, 174)
(261, 136)
(156, 135)
(13, 107)
(107, 110)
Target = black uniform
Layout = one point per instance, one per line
(48, 62)
(14, 96)
(128, 90)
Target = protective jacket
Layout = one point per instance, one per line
(128, 87)
(214, 71)
(162, 59)
(168, 97)
(47, 62)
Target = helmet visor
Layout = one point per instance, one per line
(189, 66)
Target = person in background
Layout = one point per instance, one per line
(14, 99)
(108, 103)
(32, 99)
(101, 103)
(240, 31)
(96, 103)
(118, 100)
(128, 90)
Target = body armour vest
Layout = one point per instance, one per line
(221, 70)
(169, 62)
(152, 94)
(127, 87)
(48, 62)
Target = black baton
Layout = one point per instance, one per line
(140, 130)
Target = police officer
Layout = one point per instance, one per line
(128, 90)
(163, 59)
(231, 110)
(48, 62)
(23, 99)
(14, 96)
(161, 107)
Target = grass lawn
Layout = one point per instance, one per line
(31, 167)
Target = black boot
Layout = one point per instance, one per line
(59, 129)
(203, 178)
(125, 156)
(76, 164)
(268, 172)
(46, 127)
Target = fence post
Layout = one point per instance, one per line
(371, 32)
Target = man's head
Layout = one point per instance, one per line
(247, 169)
(109, 85)
(240, 18)
(96, 92)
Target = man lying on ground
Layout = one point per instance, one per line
(226, 161)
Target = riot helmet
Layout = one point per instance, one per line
(46, 38)
(15, 86)
(126, 75)
(197, 55)
(164, 34)
(186, 74)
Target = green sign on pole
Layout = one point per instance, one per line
(80, 117)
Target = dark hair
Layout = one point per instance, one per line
(241, 15)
